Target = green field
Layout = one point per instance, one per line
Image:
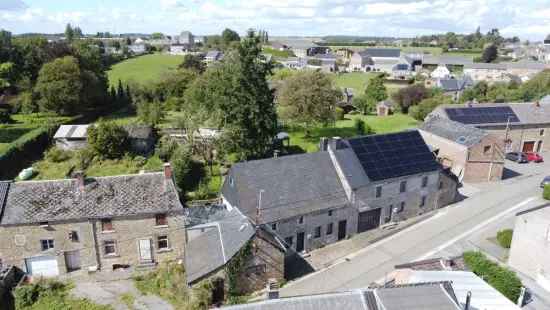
(345, 129)
(358, 81)
(143, 69)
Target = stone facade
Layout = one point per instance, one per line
(524, 138)
(87, 239)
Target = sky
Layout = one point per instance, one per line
(528, 19)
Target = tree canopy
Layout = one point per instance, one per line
(490, 53)
(376, 91)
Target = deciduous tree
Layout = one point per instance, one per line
(59, 86)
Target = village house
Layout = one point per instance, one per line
(524, 127)
(472, 154)
(213, 56)
(303, 48)
(50, 228)
(384, 59)
(532, 235)
(360, 61)
(453, 87)
(178, 49)
(138, 47)
(214, 240)
(488, 72)
(350, 186)
(431, 62)
(384, 108)
(441, 72)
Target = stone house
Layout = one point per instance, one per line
(55, 227)
(213, 56)
(216, 240)
(472, 154)
(360, 61)
(350, 186)
(451, 86)
(384, 108)
(384, 59)
(532, 235)
(488, 72)
(523, 127)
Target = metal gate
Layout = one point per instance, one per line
(368, 220)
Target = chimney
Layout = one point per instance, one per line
(468, 300)
(80, 179)
(272, 289)
(167, 171)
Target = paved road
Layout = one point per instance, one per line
(490, 204)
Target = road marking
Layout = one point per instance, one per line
(476, 228)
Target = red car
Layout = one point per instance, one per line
(532, 156)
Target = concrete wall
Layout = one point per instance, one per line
(126, 233)
(530, 251)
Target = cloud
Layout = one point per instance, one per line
(172, 4)
(12, 5)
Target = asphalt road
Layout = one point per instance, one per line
(489, 204)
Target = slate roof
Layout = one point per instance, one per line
(215, 244)
(429, 296)
(103, 197)
(292, 185)
(453, 131)
(384, 52)
(447, 60)
(4, 188)
(453, 84)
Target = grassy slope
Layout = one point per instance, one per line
(143, 69)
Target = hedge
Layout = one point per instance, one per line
(504, 238)
(502, 279)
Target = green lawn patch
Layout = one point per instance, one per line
(277, 53)
(356, 80)
(346, 129)
(504, 238)
(143, 69)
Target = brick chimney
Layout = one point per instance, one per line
(80, 180)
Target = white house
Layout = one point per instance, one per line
(441, 72)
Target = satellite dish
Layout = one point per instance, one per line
(461, 139)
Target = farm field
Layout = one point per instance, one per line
(143, 69)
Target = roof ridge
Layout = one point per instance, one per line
(89, 177)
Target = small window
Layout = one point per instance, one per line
(46, 244)
(274, 226)
(378, 191)
(401, 207)
(486, 149)
(107, 225)
(422, 201)
(231, 181)
(329, 212)
(109, 247)
(403, 187)
(329, 229)
(162, 243)
(73, 236)
(288, 242)
(317, 232)
(424, 181)
(441, 185)
(160, 220)
(301, 220)
(541, 132)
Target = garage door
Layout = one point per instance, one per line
(368, 220)
(42, 266)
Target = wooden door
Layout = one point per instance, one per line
(342, 228)
(368, 220)
(300, 241)
(72, 260)
(528, 146)
(145, 253)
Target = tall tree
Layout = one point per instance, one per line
(309, 97)
(193, 62)
(410, 96)
(59, 86)
(229, 36)
(69, 33)
(376, 91)
(490, 53)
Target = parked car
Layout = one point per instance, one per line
(518, 157)
(545, 181)
(536, 157)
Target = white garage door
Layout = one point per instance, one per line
(42, 266)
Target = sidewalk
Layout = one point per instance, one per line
(333, 253)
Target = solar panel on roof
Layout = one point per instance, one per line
(482, 115)
(393, 155)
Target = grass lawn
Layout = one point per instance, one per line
(473, 53)
(358, 81)
(345, 129)
(277, 53)
(143, 69)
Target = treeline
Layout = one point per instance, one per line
(451, 40)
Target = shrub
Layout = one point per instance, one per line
(181, 165)
(361, 127)
(504, 238)
(27, 295)
(166, 147)
(57, 155)
(546, 192)
(108, 140)
(339, 113)
(502, 279)
(140, 161)
(84, 158)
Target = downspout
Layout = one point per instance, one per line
(96, 244)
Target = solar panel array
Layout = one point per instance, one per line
(393, 155)
(482, 115)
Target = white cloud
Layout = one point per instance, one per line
(12, 5)
(172, 4)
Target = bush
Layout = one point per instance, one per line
(181, 165)
(546, 192)
(502, 279)
(27, 295)
(504, 238)
(84, 158)
(166, 147)
(361, 127)
(339, 113)
(57, 155)
(108, 140)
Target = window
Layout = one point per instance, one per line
(378, 191)
(541, 132)
(288, 242)
(160, 220)
(46, 244)
(274, 226)
(403, 187)
(486, 149)
(422, 201)
(301, 220)
(162, 243)
(441, 185)
(329, 229)
(107, 225)
(256, 269)
(424, 181)
(401, 207)
(73, 236)
(317, 232)
(109, 247)
(329, 212)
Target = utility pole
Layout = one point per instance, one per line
(506, 137)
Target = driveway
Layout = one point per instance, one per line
(110, 293)
(442, 234)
